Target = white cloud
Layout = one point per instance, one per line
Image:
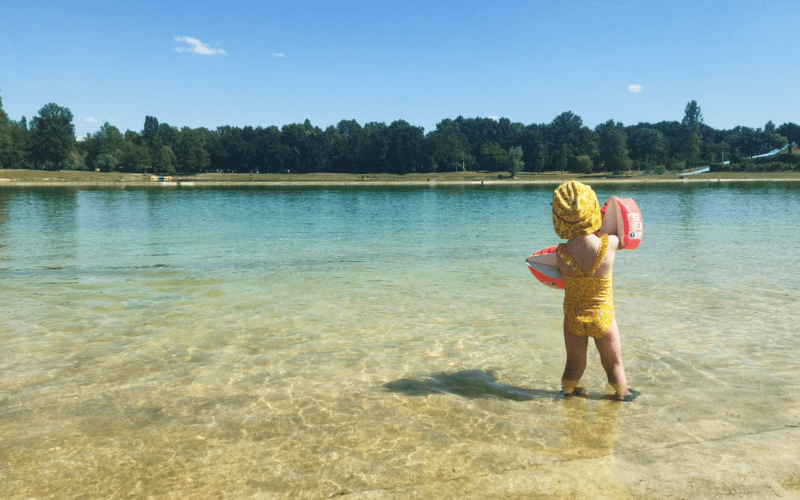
(197, 47)
(635, 89)
(279, 55)
(94, 119)
(494, 117)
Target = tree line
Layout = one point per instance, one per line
(48, 142)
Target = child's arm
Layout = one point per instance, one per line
(614, 242)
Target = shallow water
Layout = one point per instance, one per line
(312, 342)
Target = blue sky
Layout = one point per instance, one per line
(212, 63)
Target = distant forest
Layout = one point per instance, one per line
(48, 142)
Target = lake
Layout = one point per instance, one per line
(389, 342)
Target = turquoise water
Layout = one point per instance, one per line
(295, 342)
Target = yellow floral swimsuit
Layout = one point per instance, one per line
(588, 302)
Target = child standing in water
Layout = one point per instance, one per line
(586, 262)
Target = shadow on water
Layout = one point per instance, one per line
(475, 384)
(471, 384)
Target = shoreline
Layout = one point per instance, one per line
(65, 178)
(124, 185)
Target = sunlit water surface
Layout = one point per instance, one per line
(312, 342)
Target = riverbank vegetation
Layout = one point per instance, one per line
(456, 145)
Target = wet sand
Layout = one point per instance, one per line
(732, 468)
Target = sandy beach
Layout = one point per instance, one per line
(735, 468)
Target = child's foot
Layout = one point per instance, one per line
(632, 394)
(578, 391)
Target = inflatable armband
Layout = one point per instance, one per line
(622, 217)
(542, 265)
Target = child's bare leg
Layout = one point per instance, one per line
(576, 360)
(610, 349)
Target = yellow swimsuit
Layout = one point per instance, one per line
(588, 302)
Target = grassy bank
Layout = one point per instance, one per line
(26, 177)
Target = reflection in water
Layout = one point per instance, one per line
(589, 436)
(589, 442)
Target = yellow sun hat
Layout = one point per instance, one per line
(576, 211)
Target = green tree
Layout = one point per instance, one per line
(53, 137)
(106, 162)
(351, 151)
(567, 138)
(584, 164)
(164, 161)
(153, 142)
(480, 131)
(722, 152)
(301, 148)
(493, 157)
(477, 131)
(791, 131)
(76, 160)
(751, 142)
(776, 140)
(134, 155)
(3, 115)
(105, 148)
(451, 149)
(672, 131)
(376, 147)
(691, 141)
(16, 156)
(150, 131)
(235, 153)
(510, 132)
(613, 147)
(334, 145)
(6, 143)
(267, 142)
(647, 146)
(190, 151)
(406, 148)
(690, 149)
(169, 135)
(514, 162)
(535, 148)
(561, 157)
(692, 118)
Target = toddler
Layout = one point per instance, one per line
(586, 261)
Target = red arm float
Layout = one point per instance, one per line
(542, 265)
(623, 218)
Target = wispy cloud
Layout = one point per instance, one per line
(94, 119)
(196, 46)
(279, 55)
(635, 89)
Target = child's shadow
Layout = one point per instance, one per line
(473, 384)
